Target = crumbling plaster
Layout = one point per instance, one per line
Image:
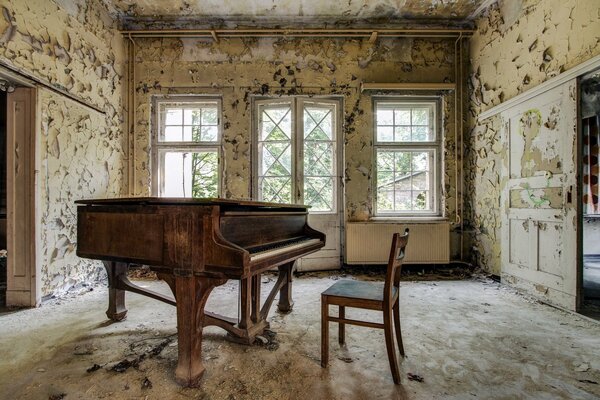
(74, 46)
(459, 9)
(517, 45)
(237, 69)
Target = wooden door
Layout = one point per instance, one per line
(538, 202)
(22, 289)
(298, 160)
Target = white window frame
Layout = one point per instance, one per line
(159, 148)
(297, 104)
(434, 146)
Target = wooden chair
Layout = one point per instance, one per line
(367, 295)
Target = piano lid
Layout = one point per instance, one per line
(185, 201)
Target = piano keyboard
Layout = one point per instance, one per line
(261, 252)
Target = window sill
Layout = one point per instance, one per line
(409, 219)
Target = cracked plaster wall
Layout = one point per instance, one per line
(74, 46)
(239, 68)
(517, 45)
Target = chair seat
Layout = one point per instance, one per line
(372, 291)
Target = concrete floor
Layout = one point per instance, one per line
(467, 339)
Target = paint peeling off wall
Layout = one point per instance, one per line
(536, 198)
(518, 45)
(80, 160)
(73, 45)
(485, 154)
(238, 69)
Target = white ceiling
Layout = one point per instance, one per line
(336, 9)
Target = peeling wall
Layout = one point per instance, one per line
(517, 45)
(74, 46)
(237, 69)
(457, 9)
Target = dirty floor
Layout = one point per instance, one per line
(467, 339)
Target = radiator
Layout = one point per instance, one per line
(369, 243)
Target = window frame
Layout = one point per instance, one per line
(297, 104)
(434, 146)
(159, 148)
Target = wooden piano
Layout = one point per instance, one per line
(195, 245)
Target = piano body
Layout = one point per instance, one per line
(195, 245)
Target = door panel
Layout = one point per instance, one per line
(298, 161)
(22, 288)
(538, 209)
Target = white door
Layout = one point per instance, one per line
(539, 218)
(297, 161)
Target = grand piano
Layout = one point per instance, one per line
(195, 245)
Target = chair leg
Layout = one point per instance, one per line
(398, 330)
(324, 332)
(342, 326)
(389, 344)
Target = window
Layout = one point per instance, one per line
(296, 152)
(407, 150)
(186, 147)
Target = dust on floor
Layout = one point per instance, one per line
(466, 339)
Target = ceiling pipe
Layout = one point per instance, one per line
(235, 33)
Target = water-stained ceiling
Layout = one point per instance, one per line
(379, 10)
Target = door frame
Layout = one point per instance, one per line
(579, 189)
(339, 148)
(23, 286)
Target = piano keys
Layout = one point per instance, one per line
(196, 245)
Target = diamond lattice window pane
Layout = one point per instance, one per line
(266, 127)
(318, 192)
(318, 124)
(277, 159)
(318, 159)
(282, 120)
(276, 189)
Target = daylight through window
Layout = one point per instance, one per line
(186, 148)
(406, 157)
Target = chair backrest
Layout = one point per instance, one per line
(392, 277)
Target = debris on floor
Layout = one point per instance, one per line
(141, 272)
(267, 340)
(414, 377)
(146, 383)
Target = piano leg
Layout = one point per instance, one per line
(246, 303)
(256, 298)
(191, 294)
(116, 297)
(285, 293)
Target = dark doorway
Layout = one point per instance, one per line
(590, 130)
(3, 198)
